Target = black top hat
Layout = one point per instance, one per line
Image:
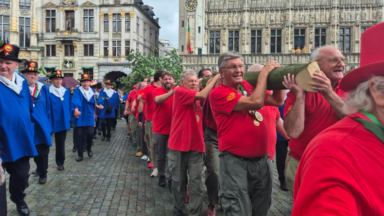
(9, 51)
(30, 66)
(85, 77)
(108, 82)
(56, 74)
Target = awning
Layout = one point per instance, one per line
(50, 67)
(86, 68)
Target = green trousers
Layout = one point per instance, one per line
(245, 185)
(291, 165)
(133, 124)
(151, 149)
(180, 164)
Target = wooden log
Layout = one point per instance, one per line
(303, 75)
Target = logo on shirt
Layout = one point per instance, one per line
(289, 108)
(231, 96)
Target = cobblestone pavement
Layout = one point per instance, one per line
(113, 182)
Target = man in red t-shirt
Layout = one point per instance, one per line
(309, 113)
(162, 119)
(243, 137)
(341, 172)
(132, 119)
(148, 99)
(141, 132)
(186, 144)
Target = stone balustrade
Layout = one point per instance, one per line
(197, 62)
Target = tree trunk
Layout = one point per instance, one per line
(303, 74)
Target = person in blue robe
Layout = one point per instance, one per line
(16, 129)
(97, 89)
(40, 118)
(110, 100)
(60, 115)
(83, 110)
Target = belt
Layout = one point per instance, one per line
(224, 153)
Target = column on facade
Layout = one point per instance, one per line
(110, 34)
(101, 32)
(132, 22)
(34, 28)
(123, 34)
(13, 36)
(132, 36)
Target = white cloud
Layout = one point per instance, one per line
(168, 14)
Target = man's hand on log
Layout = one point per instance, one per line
(289, 83)
(322, 84)
(269, 66)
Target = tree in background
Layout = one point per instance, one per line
(146, 65)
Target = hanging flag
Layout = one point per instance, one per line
(189, 40)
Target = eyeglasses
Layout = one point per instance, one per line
(335, 61)
(233, 67)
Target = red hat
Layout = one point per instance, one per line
(134, 87)
(371, 59)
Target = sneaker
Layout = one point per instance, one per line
(211, 211)
(139, 154)
(154, 173)
(144, 158)
(148, 160)
(150, 165)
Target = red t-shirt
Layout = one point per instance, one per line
(208, 120)
(319, 115)
(236, 131)
(162, 115)
(186, 129)
(270, 116)
(139, 94)
(149, 100)
(341, 172)
(131, 98)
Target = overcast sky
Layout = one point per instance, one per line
(168, 13)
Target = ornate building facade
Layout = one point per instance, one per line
(264, 30)
(79, 36)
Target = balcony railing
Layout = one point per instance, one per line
(67, 35)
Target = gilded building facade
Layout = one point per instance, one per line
(264, 30)
(79, 36)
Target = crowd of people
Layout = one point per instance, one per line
(335, 135)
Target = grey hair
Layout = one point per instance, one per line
(360, 98)
(187, 72)
(227, 56)
(258, 66)
(316, 55)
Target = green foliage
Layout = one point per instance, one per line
(146, 65)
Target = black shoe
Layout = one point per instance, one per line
(99, 133)
(94, 137)
(108, 139)
(134, 145)
(90, 153)
(170, 185)
(113, 128)
(23, 209)
(78, 159)
(34, 172)
(84, 150)
(73, 150)
(42, 180)
(102, 139)
(61, 167)
(162, 182)
(92, 143)
(177, 213)
(283, 186)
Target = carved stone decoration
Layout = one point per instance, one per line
(5, 11)
(225, 18)
(327, 15)
(253, 17)
(235, 18)
(210, 16)
(347, 17)
(341, 14)
(68, 2)
(364, 14)
(306, 19)
(322, 15)
(311, 36)
(215, 19)
(110, 15)
(357, 15)
(243, 38)
(281, 16)
(373, 14)
(380, 14)
(244, 18)
(267, 34)
(296, 19)
(229, 17)
(220, 18)
(267, 17)
(272, 17)
(302, 16)
(262, 16)
(25, 12)
(101, 15)
(132, 14)
(287, 18)
(257, 16)
(352, 15)
(239, 18)
(122, 15)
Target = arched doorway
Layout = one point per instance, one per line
(113, 76)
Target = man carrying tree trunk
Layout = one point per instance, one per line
(309, 113)
(186, 144)
(148, 99)
(245, 180)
